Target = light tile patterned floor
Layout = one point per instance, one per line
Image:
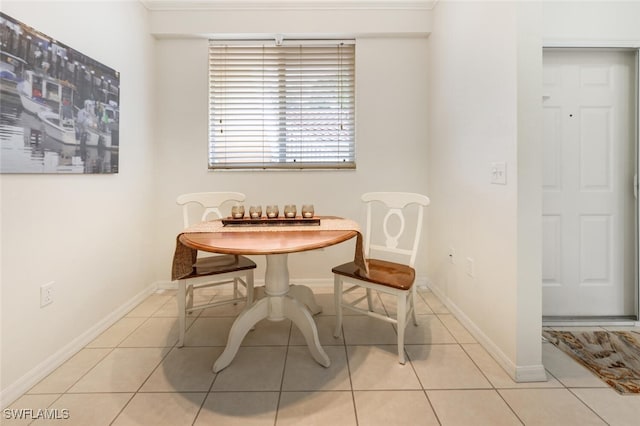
(134, 375)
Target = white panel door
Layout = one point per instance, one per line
(588, 177)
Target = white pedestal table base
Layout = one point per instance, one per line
(281, 301)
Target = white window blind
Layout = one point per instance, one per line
(288, 106)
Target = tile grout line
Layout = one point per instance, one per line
(206, 396)
(586, 405)
(152, 371)
(458, 343)
(346, 356)
(210, 391)
(284, 369)
(509, 405)
(111, 349)
(424, 390)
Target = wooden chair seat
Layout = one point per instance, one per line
(382, 272)
(221, 264)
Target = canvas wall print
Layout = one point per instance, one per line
(59, 109)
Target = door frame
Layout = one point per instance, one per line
(633, 47)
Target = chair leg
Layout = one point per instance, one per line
(236, 294)
(189, 295)
(337, 295)
(369, 300)
(182, 310)
(413, 305)
(249, 289)
(402, 321)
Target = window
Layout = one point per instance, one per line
(282, 107)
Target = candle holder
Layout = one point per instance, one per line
(237, 211)
(255, 212)
(307, 211)
(272, 211)
(290, 211)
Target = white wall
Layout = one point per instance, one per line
(604, 22)
(475, 119)
(529, 231)
(485, 106)
(391, 130)
(88, 233)
(295, 19)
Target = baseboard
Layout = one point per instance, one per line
(421, 282)
(23, 384)
(313, 282)
(166, 285)
(528, 373)
(309, 282)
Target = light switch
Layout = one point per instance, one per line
(499, 173)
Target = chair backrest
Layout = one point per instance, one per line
(395, 204)
(210, 202)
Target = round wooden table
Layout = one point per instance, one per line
(281, 301)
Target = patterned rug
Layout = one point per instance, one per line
(614, 356)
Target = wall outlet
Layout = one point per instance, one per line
(470, 266)
(46, 294)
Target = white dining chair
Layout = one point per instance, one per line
(394, 277)
(212, 270)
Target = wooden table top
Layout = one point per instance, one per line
(268, 242)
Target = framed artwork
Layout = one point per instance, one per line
(59, 109)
